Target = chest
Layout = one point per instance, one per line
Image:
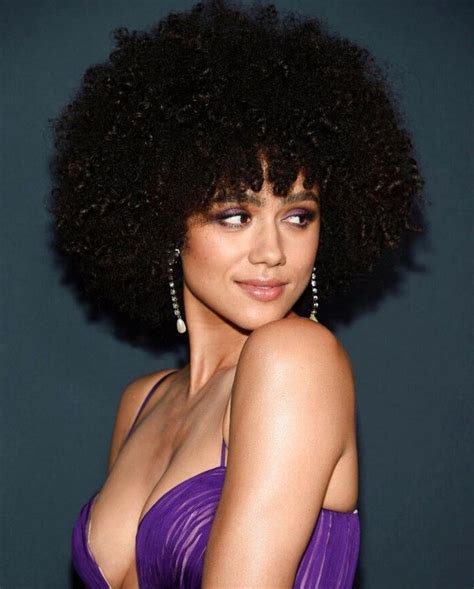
(171, 538)
(130, 519)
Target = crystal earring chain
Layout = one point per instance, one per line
(315, 296)
(180, 324)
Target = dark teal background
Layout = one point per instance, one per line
(62, 373)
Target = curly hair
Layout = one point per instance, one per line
(181, 114)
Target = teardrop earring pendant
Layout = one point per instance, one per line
(180, 324)
(315, 296)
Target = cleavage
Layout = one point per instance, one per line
(133, 488)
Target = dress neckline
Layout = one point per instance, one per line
(158, 502)
(223, 468)
(86, 532)
(155, 506)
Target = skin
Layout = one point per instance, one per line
(278, 387)
(272, 242)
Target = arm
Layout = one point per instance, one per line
(292, 416)
(130, 402)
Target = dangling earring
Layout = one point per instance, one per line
(315, 296)
(180, 324)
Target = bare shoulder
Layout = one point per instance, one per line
(297, 343)
(136, 390)
(291, 422)
(295, 365)
(129, 404)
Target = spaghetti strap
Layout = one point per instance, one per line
(147, 398)
(223, 449)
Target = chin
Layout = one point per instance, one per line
(258, 318)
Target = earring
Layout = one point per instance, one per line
(315, 296)
(180, 324)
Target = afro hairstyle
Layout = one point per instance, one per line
(183, 112)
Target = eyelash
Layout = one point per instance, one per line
(307, 216)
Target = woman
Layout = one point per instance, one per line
(231, 156)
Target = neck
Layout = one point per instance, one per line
(212, 349)
(214, 343)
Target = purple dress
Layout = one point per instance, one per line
(172, 537)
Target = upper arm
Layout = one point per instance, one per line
(291, 419)
(130, 402)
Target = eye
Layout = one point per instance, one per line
(230, 218)
(305, 216)
(226, 218)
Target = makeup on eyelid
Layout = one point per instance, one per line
(306, 215)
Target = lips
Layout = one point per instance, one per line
(263, 290)
(262, 282)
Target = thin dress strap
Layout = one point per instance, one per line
(223, 449)
(147, 398)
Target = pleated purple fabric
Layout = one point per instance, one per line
(172, 538)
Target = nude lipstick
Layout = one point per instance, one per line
(263, 290)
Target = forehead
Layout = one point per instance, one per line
(260, 201)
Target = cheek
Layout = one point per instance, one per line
(302, 255)
(314, 246)
(206, 258)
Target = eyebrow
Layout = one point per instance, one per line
(259, 202)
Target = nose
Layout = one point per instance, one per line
(267, 246)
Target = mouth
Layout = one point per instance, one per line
(262, 292)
